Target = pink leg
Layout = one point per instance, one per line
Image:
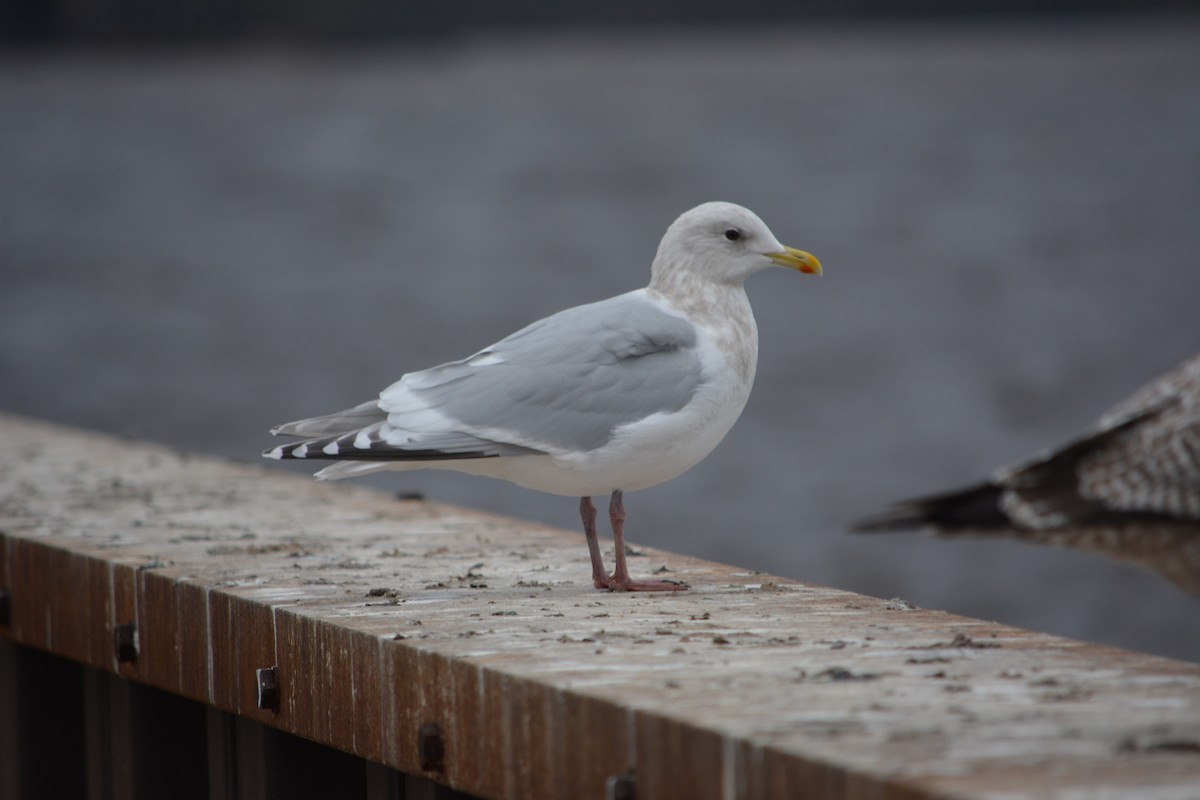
(620, 580)
(587, 512)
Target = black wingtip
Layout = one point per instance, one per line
(972, 508)
(276, 453)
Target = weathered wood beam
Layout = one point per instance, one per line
(472, 649)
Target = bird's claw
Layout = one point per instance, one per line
(614, 584)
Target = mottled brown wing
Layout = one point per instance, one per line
(1153, 466)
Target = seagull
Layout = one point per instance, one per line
(607, 397)
(1130, 488)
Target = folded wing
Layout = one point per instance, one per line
(564, 383)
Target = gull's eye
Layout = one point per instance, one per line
(733, 234)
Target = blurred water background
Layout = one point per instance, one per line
(203, 235)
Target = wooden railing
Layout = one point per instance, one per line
(174, 623)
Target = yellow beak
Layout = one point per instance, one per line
(797, 260)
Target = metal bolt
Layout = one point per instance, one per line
(5, 608)
(268, 688)
(125, 642)
(620, 787)
(431, 747)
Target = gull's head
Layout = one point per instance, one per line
(723, 243)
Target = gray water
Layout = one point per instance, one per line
(195, 246)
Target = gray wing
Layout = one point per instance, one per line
(566, 382)
(358, 434)
(352, 419)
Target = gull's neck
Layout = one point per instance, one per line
(721, 307)
(699, 297)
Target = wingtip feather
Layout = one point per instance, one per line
(972, 508)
